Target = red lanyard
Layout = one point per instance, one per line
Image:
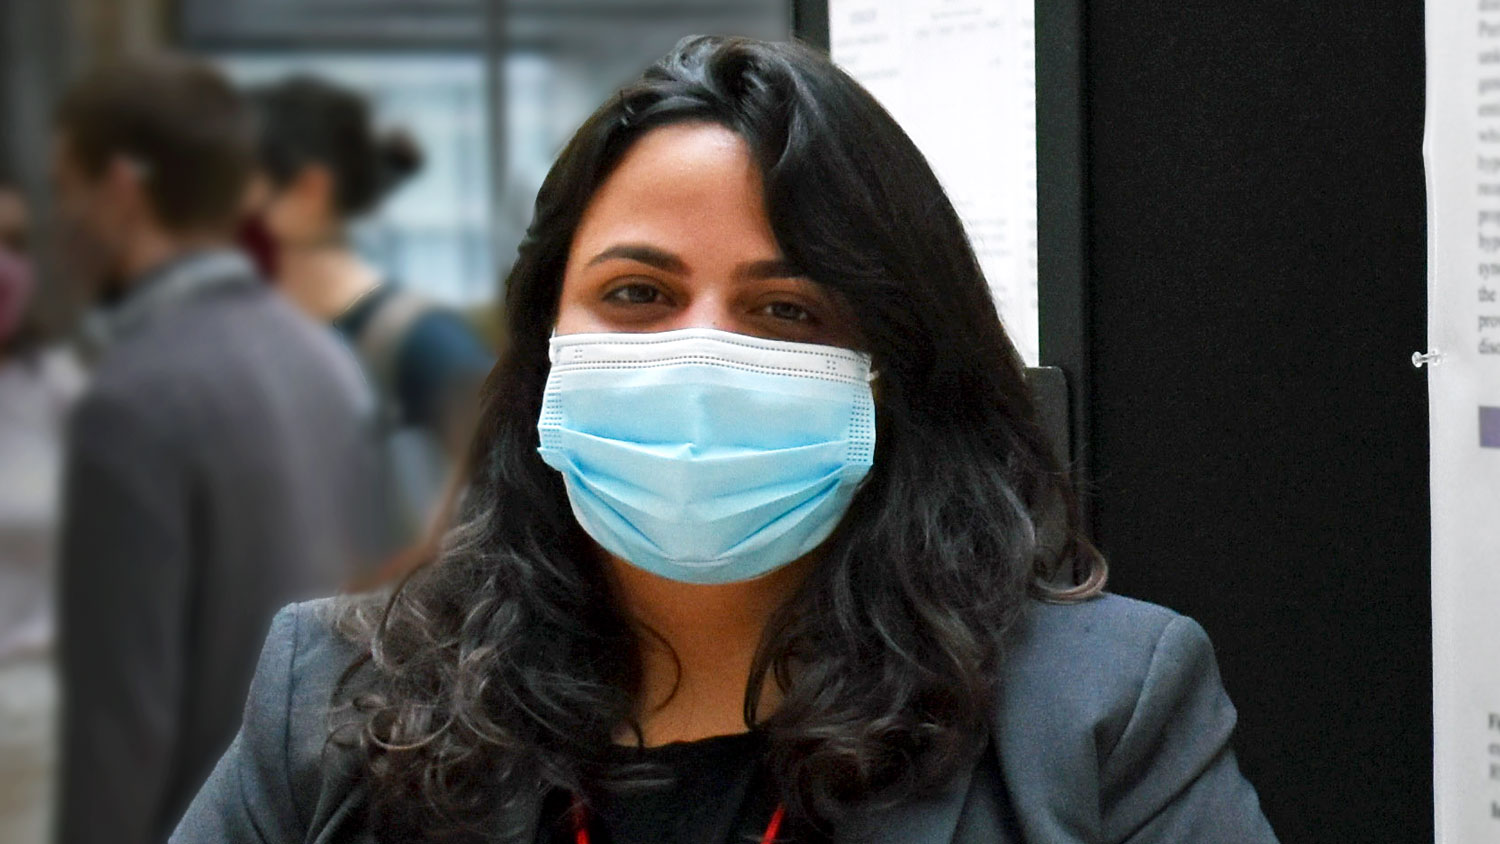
(581, 826)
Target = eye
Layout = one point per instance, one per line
(789, 311)
(635, 293)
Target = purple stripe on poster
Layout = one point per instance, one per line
(1489, 427)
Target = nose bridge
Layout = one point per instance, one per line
(710, 307)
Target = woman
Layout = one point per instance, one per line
(324, 167)
(684, 601)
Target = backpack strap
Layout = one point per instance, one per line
(383, 335)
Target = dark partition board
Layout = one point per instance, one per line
(1061, 216)
(810, 21)
(1049, 389)
(1258, 434)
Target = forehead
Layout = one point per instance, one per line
(682, 186)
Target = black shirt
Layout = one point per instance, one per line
(716, 791)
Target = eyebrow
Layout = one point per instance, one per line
(666, 261)
(775, 268)
(648, 255)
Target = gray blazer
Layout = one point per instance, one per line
(1110, 725)
(215, 473)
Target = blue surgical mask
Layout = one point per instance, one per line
(704, 456)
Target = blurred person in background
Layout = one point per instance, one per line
(217, 467)
(38, 382)
(323, 167)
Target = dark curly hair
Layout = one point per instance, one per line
(500, 672)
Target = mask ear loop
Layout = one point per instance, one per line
(872, 378)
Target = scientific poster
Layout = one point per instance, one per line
(960, 78)
(1462, 151)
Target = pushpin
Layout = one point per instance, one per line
(1432, 358)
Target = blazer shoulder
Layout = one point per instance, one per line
(1106, 642)
(321, 651)
(1091, 659)
(1112, 724)
(287, 771)
(320, 680)
(1109, 615)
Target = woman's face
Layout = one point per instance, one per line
(678, 237)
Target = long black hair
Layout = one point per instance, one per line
(502, 671)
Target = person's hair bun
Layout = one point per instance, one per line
(308, 120)
(400, 158)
